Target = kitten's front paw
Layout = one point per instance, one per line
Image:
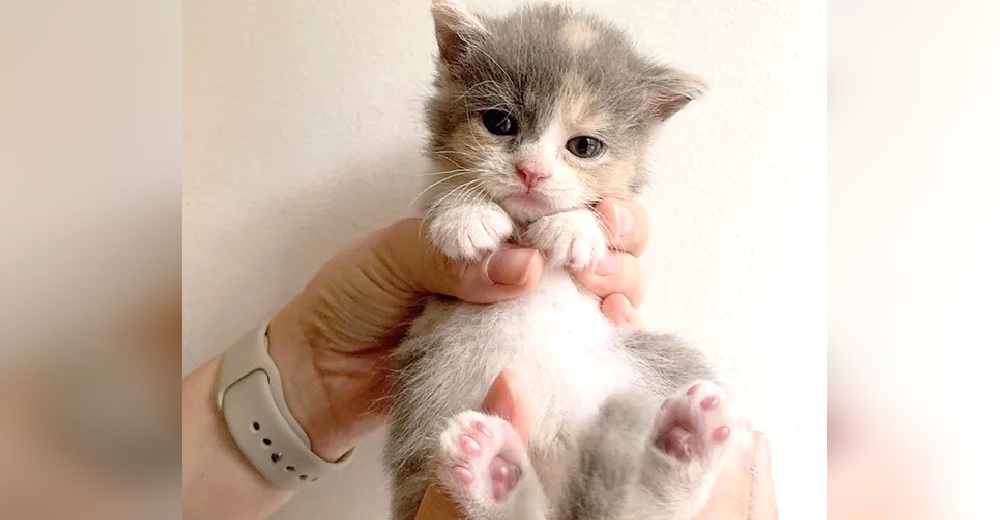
(573, 239)
(480, 460)
(470, 232)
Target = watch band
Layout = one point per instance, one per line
(250, 397)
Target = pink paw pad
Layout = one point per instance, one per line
(504, 476)
(481, 455)
(463, 475)
(695, 423)
(469, 445)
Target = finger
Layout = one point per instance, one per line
(617, 308)
(615, 273)
(627, 225)
(503, 400)
(436, 506)
(404, 251)
(731, 497)
(765, 505)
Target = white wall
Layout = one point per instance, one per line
(302, 128)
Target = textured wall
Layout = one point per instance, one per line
(302, 128)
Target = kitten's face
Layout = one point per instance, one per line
(544, 110)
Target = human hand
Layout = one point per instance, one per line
(745, 489)
(331, 343)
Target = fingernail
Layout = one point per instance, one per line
(510, 266)
(764, 454)
(630, 317)
(608, 265)
(513, 382)
(624, 220)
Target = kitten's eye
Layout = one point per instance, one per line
(585, 147)
(499, 122)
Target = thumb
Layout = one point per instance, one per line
(405, 249)
(504, 401)
(764, 506)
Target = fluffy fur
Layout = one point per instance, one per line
(624, 424)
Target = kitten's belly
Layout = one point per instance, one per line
(566, 354)
(563, 349)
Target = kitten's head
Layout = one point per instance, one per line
(544, 110)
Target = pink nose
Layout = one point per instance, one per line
(531, 176)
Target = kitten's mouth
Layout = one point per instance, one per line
(533, 199)
(527, 206)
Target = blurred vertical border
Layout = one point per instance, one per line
(90, 104)
(914, 245)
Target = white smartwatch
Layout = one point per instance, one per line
(250, 398)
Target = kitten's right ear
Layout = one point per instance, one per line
(672, 89)
(456, 27)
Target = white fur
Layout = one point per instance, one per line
(468, 231)
(573, 239)
(561, 341)
(698, 476)
(496, 438)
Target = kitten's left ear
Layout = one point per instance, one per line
(455, 27)
(670, 90)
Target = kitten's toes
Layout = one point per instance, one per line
(480, 458)
(696, 432)
(572, 239)
(699, 425)
(470, 232)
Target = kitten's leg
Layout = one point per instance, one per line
(612, 453)
(483, 465)
(696, 432)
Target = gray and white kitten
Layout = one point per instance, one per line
(535, 117)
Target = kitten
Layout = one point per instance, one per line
(535, 117)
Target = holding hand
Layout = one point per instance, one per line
(332, 342)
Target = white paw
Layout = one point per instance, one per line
(698, 429)
(699, 423)
(471, 231)
(573, 239)
(480, 459)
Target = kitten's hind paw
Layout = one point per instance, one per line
(699, 424)
(698, 429)
(480, 458)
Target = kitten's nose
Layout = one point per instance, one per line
(531, 175)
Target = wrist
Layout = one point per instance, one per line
(217, 479)
(321, 402)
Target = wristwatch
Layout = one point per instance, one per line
(250, 398)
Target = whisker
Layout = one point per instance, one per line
(425, 190)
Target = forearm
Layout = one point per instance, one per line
(218, 483)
